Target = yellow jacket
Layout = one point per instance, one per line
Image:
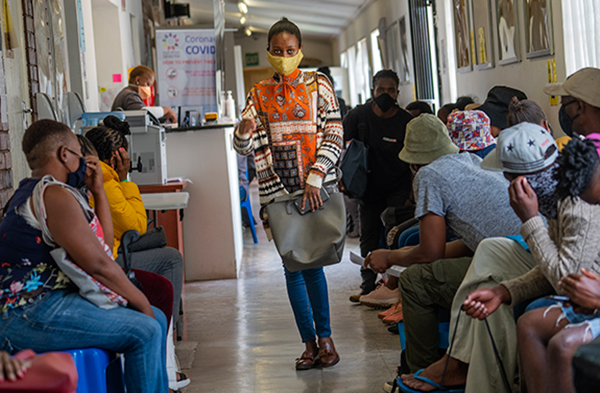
(126, 207)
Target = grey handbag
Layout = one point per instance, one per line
(312, 239)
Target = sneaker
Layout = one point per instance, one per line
(387, 387)
(382, 297)
(389, 311)
(394, 317)
(355, 298)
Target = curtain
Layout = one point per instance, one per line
(581, 31)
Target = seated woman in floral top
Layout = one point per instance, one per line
(39, 307)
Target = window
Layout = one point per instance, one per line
(581, 29)
(352, 76)
(376, 52)
(363, 71)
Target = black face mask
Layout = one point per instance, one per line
(566, 123)
(385, 102)
(75, 179)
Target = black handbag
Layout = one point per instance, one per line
(355, 163)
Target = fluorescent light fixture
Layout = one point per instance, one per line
(243, 20)
(243, 7)
(248, 32)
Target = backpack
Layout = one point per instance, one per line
(354, 165)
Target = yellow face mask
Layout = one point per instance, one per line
(285, 65)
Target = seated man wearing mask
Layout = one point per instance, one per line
(132, 97)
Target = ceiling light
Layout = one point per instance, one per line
(248, 32)
(243, 7)
(243, 20)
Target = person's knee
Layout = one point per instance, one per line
(527, 328)
(152, 329)
(173, 256)
(564, 344)
(410, 279)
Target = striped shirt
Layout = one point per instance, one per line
(298, 136)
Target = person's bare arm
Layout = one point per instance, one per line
(71, 231)
(432, 246)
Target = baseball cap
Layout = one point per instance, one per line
(426, 140)
(470, 130)
(497, 102)
(523, 148)
(583, 84)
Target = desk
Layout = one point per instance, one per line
(213, 226)
(169, 218)
(165, 201)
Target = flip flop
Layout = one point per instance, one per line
(438, 387)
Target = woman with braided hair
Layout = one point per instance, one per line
(128, 213)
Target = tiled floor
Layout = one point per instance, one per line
(248, 340)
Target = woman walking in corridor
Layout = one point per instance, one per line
(292, 122)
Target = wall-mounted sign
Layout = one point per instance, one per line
(251, 59)
(186, 68)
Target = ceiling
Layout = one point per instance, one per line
(323, 19)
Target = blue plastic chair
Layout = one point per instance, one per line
(246, 205)
(443, 340)
(99, 371)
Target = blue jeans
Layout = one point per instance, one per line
(63, 320)
(307, 290)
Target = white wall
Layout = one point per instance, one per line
(17, 92)
(316, 49)
(530, 75)
(366, 22)
(90, 82)
(116, 50)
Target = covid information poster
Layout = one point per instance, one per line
(186, 68)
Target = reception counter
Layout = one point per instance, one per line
(212, 227)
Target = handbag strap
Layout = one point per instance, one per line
(496, 354)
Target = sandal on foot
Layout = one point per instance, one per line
(438, 387)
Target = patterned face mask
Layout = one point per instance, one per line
(544, 185)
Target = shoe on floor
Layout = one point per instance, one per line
(309, 358)
(388, 312)
(382, 297)
(327, 353)
(355, 298)
(394, 317)
(393, 328)
(183, 380)
(387, 387)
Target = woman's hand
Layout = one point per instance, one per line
(121, 163)
(523, 199)
(483, 302)
(313, 195)
(11, 368)
(378, 261)
(246, 128)
(93, 175)
(583, 289)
